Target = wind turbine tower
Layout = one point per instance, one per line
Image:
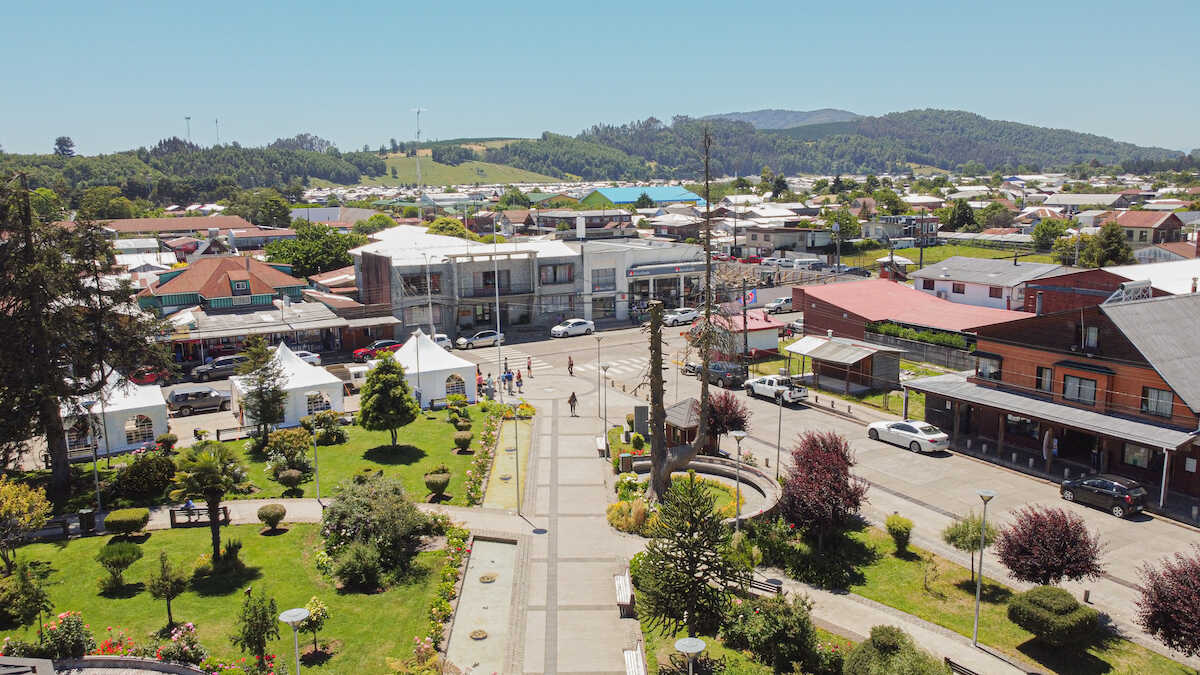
(217, 124)
(418, 153)
(188, 119)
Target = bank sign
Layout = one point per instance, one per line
(661, 270)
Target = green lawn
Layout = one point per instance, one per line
(949, 601)
(281, 565)
(935, 254)
(433, 173)
(421, 446)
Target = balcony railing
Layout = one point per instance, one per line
(490, 291)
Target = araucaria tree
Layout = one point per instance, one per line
(23, 511)
(964, 535)
(687, 569)
(820, 494)
(64, 331)
(265, 398)
(208, 470)
(1044, 545)
(387, 401)
(1169, 607)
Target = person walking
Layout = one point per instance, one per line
(573, 401)
(529, 366)
(506, 364)
(570, 366)
(520, 383)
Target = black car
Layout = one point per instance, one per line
(1119, 496)
(724, 374)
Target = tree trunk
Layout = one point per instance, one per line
(170, 619)
(704, 342)
(315, 647)
(660, 481)
(56, 447)
(972, 565)
(214, 526)
(393, 432)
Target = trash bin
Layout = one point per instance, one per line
(87, 521)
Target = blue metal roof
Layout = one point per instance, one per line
(659, 193)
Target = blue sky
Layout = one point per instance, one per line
(122, 74)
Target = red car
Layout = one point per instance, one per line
(150, 375)
(374, 349)
(752, 260)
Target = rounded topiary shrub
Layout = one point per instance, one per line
(462, 439)
(290, 478)
(900, 528)
(358, 567)
(637, 441)
(272, 514)
(463, 424)
(126, 521)
(116, 557)
(1053, 615)
(437, 481)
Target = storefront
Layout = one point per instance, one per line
(675, 284)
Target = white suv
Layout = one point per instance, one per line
(680, 315)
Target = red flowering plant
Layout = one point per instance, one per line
(115, 644)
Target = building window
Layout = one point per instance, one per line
(556, 274)
(988, 368)
(414, 284)
(1157, 401)
(1129, 235)
(1020, 426)
(317, 402)
(766, 237)
(958, 288)
(753, 237)
(455, 385)
(1142, 235)
(1045, 379)
(1091, 337)
(1136, 455)
(604, 279)
(139, 429)
(927, 284)
(995, 292)
(1079, 390)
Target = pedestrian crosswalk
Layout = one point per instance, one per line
(618, 368)
(517, 360)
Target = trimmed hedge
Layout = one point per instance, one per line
(1053, 615)
(463, 439)
(928, 336)
(272, 514)
(126, 521)
(900, 528)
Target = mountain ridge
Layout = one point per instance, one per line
(781, 118)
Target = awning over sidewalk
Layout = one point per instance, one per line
(388, 320)
(959, 389)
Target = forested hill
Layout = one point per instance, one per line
(787, 119)
(944, 139)
(175, 171)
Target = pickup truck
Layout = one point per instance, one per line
(776, 387)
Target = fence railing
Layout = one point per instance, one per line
(947, 357)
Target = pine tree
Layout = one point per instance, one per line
(167, 583)
(688, 567)
(264, 379)
(387, 400)
(1108, 247)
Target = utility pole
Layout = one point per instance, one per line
(417, 152)
(745, 333)
(703, 336)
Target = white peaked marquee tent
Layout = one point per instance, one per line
(433, 371)
(124, 416)
(309, 389)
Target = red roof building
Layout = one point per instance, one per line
(847, 307)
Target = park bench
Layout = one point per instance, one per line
(635, 664)
(600, 446)
(54, 529)
(958, 669)
(624, 588)
(195, 516)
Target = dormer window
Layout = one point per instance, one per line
(241, 287)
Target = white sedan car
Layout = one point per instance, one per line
(573, 327)
(442, 340)
(309, 357)
(915, 435)
(680, 315)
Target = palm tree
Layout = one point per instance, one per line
(208, 470)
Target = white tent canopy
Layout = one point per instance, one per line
(309, 389)
(433, 371)
(124, 416)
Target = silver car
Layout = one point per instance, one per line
(484, 338)
(680, 315)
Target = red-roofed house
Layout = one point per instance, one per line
(847, 307)
(231, 282)
(1143, 228)
(762, 330)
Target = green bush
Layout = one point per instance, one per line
(327, 426)
(67, 637)
(456, 401)
(463, 424)
(629, 420)
(272, 514)
(288, 449)
(231, 558)
(891, 650)
(438, 480)
(365, 474)
(358, 567)
(951, 340)
(636, 562)
(379, 513)
(901, 530)
(463, 439)
(637, 441)
(126, 521)
(1053, 615)
(290, 478)
(166, 442)
(146, 477)
(116, 557)
(777, 630)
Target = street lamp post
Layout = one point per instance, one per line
(293, 617)
(517, 459)
(690, 647)
(604, 394)
(986, 496)
(316, 466)
(738, 435)
(598, 413)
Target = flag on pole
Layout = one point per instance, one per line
(749, 298)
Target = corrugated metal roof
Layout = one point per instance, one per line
(957, 388)
(990, 271)
(1166, 331)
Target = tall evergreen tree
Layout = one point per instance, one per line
(67, 326)
(1108, 247)
(387, 400)
(264, 379)
(688, 568)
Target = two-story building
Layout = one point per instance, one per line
(922, 230)
(983, 282)
(1145, 228)
(1111, 387)
(596, 223)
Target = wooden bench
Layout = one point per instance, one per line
(195, 516)
(958, 669)
(624, 588)
(54, 529)
(600, 446)
(634, 663)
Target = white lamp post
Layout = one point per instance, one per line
(690, 647)
(603, 394)
(738, 435)
(598, 413)
(293, 617)
(316, 467)
(986, 496)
